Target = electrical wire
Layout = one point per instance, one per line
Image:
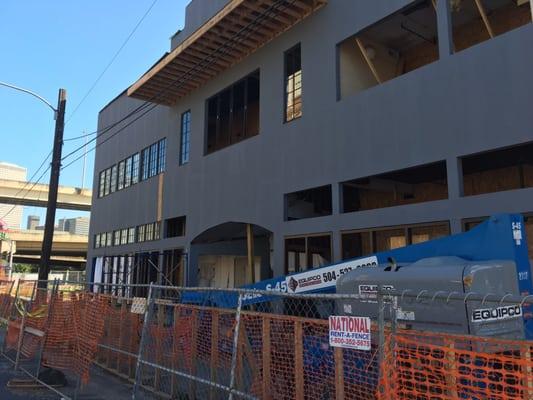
(110, 63)
(80, 137)
(148, 103)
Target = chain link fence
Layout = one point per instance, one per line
(151, 341)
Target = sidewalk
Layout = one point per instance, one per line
(7, 373)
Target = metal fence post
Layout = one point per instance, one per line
(381, 328)
(9, 314)
(393, 308)
(23, 325)
(144, 333)
(235, 347)
(55, 288)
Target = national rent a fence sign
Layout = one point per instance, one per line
(349, 332)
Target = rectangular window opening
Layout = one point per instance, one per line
(233, 114)
(185, 137)
(175, 227)
(408, 186)
(293, 83)
(362, 243)
(498, 170)
(475, 21)
(394, 46)
(310, 203)
(307, 252)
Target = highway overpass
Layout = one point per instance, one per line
(67, 249)
(31, 194)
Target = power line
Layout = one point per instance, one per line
(111, 61)
(80, 137)
(148, 103)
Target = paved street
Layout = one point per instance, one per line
(7, 373)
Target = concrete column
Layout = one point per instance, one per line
(336, 246)
(191, 267)
(455, 178)
(444, 28)
(278, 255)
(456, 226)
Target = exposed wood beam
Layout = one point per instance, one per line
(484, 17)
(215, 47)
(250, 248)
(368, 60)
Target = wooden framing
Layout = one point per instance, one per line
(220, 43)
(368, 60)
(267, 356)
(484, 17)
(299, 360)
(339, 373)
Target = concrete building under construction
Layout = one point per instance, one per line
(280, 135)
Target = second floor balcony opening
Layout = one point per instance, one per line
(475, 21)
(396, 45)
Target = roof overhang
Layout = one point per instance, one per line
(235, 32)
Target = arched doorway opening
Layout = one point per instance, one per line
(232, 254)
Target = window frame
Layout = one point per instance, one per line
(185, 137)
(286, 78)
(114, 178)
(306, 236)
(121, 175)
(128, 172)
(406, 228)
(161, 155)
(256, 74)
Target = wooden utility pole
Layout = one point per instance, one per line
(250, 248)
(44, 266)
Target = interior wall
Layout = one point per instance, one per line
(225, 271)
(354, 73)
(498, 179)
(235, 249)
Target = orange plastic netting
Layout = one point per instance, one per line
(441, 366)
(75, 328)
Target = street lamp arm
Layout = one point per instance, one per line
(31, 93)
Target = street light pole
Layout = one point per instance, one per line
(44, 265)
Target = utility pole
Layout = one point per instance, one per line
(11, 250)
(84, 162)
(44, 266)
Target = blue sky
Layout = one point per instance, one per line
(46, 45)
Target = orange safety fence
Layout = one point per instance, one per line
(75, 328)
(122, 331)
(443, 366)
(279, 356)
(6, 299)
(197, 341)
(34, 304)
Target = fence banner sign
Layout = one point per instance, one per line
(350, 332)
